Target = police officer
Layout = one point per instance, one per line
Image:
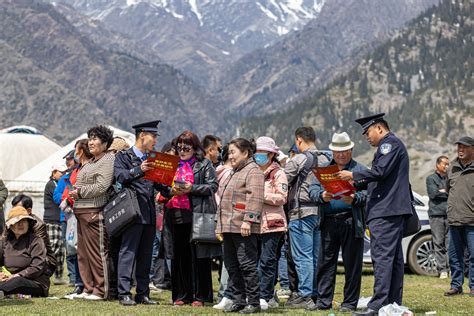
(137, 240)
(388, 204)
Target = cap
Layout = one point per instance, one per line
(341, 142)
(150, 127)
(16, 214)
(70, 154)
(368, 121)
(59, 167)
(267, 144)
(465, 140)
(294, 149)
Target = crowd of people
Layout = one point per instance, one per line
(272, 221)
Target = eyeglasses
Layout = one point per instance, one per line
(184, 148)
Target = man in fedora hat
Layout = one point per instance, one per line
(342, 226)
(389, 204)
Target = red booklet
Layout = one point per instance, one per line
(165, 167)
(328, 179)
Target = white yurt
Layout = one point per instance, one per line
(33, 180)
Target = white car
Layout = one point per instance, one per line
(418, 251)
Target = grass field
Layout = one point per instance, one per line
(421, 294)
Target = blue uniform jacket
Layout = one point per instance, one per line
(316, 190)
(128, 173)
(387, 182)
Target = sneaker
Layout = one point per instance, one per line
(282, 293)
(93, 297)
(153, 288)
(178, 303)
(263, 304)
(443, 275)
(59, 281)
(225, 303)
(72, 295)
(299, 302)
(197, 304)
(82, 295)
(272, 303)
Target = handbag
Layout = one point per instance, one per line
(412, 225)
(204, 228)
(121, 211)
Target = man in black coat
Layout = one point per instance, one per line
(388, 205)
(137, 240)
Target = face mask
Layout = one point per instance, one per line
(261, 159)
(77, 158)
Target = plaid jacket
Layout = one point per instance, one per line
(242, 199)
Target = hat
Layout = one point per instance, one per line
(368, 121)
(16, 214)
(465, 140)
(59, 167)
(267, 144)
(119, 144)
(341, 142)
(294, 149)
(150, 127)
(281, 156)
(70, 154)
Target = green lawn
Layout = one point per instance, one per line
(421, 294)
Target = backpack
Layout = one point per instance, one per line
(295, 186)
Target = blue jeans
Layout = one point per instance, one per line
(283, 268)
(304, 242)
(154, 256)
(461, 237)
(268, 264)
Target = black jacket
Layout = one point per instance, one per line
(128, 173)
(202, 201)
(438, 200)
(52, 212)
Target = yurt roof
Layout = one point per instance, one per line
(22, 148)
(35, 178)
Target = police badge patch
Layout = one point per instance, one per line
(385, 148)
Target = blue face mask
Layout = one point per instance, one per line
(261, 158)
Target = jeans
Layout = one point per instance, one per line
(224, 288)
(74, 274)
(439, 232)
(154, 256)
(283, 268)
(304, 242)
(461, 237)
(268, 264)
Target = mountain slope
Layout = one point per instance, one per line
(197, 36)
(422, 78)
(125, 89)
(269, 79)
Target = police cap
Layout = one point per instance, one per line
(149, 127)
(368, 121)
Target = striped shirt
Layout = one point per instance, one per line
(93, 182)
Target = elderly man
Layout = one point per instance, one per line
(461, 215)
(389, 204)
(436, 188)
(342, 226)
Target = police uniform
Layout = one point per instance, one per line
(137, 240)
(388, 204)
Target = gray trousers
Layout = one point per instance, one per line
(439, 233)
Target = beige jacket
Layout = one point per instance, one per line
(276, 192)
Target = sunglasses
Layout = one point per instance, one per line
(184, 148)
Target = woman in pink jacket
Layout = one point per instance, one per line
(273, 220)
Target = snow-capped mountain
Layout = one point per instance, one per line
(198, 35)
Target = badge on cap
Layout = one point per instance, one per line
(385, 148)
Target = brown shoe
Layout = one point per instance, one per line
(452, 292)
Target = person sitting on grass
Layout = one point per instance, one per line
(23, 257)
